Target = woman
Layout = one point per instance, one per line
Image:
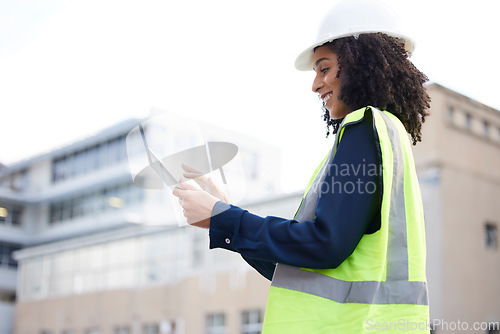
(359, 230)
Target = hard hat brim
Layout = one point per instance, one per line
(304, 61)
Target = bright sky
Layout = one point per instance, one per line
(70, 68)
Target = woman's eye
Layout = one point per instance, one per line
(324, 70)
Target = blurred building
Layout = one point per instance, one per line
(101, 255)
(458, 163)
(91, 255)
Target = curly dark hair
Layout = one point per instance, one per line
(376, 72)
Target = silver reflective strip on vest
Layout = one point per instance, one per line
(308, 206)
(365, 292)
(396, 289)
(397, 248)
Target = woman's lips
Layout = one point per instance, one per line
(326, 97)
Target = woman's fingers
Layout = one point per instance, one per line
(197, 205)
(205, 182)
(190, 169)
(178, 192)
(195, 175)
(187, 186)
(191, 175)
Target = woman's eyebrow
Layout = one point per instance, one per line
(320, 60)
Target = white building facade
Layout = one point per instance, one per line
(81, 227)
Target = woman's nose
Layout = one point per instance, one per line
(317, 84)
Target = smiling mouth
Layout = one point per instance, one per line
(326, 97)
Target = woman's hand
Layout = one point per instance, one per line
(205, 182)
(196, 204)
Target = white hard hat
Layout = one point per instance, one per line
(351, 18)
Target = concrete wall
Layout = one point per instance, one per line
(187, 303)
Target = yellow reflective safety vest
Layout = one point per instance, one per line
(381, 287)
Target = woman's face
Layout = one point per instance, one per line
(326, 83)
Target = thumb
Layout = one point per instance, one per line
(187, 186)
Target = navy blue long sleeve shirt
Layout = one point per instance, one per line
(348, 207)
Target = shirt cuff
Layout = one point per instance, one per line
(220, 207)
(224, 226)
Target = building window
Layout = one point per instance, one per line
(112, 198)
(10, 215)
(150, 329)
(89, 159)
(92, 331)
(491, 236)
(121, 330)
(215, 324)
(6, 258)
(199, 246)
(251, 322)
(17, 181)
(169, 327)
(450, 115)
(468, 121)
(486, 128)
